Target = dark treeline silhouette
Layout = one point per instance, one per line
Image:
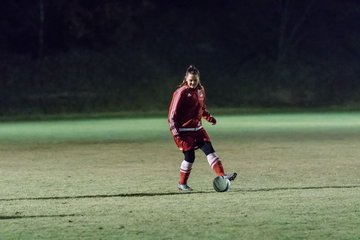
(87, 55)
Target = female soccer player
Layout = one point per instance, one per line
(186, 110)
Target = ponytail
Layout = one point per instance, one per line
(192, 70)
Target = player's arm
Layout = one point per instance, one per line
(173, 112)
(208, 117)
(206, 114)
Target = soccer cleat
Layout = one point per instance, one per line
(184, 188)
(230, 176)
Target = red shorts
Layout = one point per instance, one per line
(190, 140)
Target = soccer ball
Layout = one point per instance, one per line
(221, 184)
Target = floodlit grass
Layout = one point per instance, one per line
(117, 178)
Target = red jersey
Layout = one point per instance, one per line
(186, 110)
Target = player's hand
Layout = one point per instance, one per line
(212, 120)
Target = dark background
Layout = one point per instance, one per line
(107, 55)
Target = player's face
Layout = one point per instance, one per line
(192, 80)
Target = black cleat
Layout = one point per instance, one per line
(230, 176)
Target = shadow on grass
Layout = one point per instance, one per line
(154, 194)
(296, 188)
(36, 216)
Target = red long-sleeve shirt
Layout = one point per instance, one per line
(186, 109)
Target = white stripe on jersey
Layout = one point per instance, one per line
(173, 108)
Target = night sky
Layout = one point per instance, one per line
(287, 51)
(310, 24)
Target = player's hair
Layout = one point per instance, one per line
(191, 70)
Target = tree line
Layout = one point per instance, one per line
(78, 55)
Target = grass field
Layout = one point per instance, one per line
(117, 179)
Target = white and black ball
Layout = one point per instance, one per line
(221, 184)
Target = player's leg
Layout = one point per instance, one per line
(213, 158)
(214, 161)
(185, 169)
(185, 143)
(202, 140)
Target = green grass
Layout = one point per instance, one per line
(116, 179)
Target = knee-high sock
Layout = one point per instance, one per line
(185, 170)
(215, 163)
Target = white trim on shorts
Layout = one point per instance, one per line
(190, 129)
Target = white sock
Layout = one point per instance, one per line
(212, 159)
(185, 166)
